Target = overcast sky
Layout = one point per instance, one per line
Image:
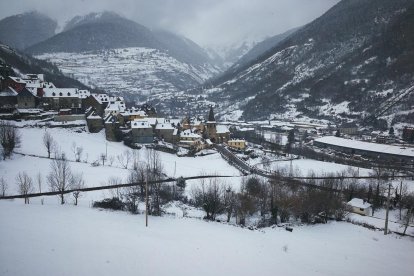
(210, 23)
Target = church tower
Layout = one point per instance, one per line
(211, 126)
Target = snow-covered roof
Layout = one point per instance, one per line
(140, 124)
(134, 112)
(8, 92)
(83, 94)
(118, 106)
(101, 98)
(166, 126)
(237, 140)
(18, 80)
(359, 203)
(161, 120)
(222, 129)
(60, 92)
(188, 134)
(373, 147)
(94, 116)
(152, 121)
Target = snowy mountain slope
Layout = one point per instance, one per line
(78, 240)
(94, 49)
(24, 30)
(261, 48)
(133, 72)
(352, 52)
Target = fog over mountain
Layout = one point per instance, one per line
(209, 23)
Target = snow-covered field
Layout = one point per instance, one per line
(93, 146)
(304, 167)
(76, 240)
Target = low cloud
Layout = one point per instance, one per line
(210, 23)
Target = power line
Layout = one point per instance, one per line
(108, 187)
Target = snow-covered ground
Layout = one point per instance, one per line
(76, 240)
(304, 167)
(94, 144)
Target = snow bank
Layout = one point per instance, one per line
(69, 240)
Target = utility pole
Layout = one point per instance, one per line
(388, 208)
(106, 149)
(146, 201)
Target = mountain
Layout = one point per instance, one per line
(261, 48)
(24, 64)
(228, 55)
(24, 30)
(108, 51)
(98, 31)
(345, 63)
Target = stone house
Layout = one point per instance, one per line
(25, 99)
(94, 122)
(112, 131)
(165, 131)
(142, 132)
(348, 128)
(8, 99)
(62, 98)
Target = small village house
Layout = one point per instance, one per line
(141, 132)
(348, 128)
(239, 144)
(25, 99)
(94, 121)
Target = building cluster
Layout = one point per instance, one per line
(190, 132)
(33, 92)
(101, 111)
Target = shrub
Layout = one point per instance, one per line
(110, 203)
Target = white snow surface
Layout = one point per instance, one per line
(70, 240)
(373, 147)
(304, 167)
(94, 144)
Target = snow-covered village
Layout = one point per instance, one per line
(154, 150)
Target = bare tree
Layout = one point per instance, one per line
(155, 172)
(39, 180)
(3, 186)
(111, 160)
(124, 158)
(132, 194)
(59, 178)
(230, 202)
(25, 184)
(77, 152)
(48, 142)
(76, 184)
(115, 192)
(408, 202)
(209, 195)
(9, 138)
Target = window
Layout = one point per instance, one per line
(53, 94)
(60, 94)
(361, 209)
